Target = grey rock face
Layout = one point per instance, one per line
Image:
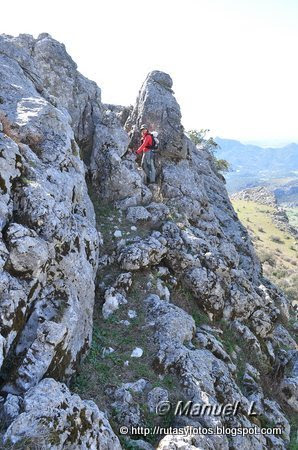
(210, 252)
(113, 300)
(11, 408)
(289, 385)
(55, 419)
(159, 212)
(157, 107)
(142, 253)
(192, 442)
(50, 115)
(207, 245)
(124, 281)
(49, 246)
(27, 252)
(156, 396)
(128, 411)
(10, 170)
(205, 377)
(259, 194)
(55, 76)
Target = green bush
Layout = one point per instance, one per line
(199, 137)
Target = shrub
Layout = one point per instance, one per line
(279, 273)
(199, 137)
(268, 258)
(8, 128)
(34, 140)
(277, 239)
(222, 165)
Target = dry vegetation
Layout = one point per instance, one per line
(8, 127)
(276, 249)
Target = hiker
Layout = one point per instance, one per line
(146, 149)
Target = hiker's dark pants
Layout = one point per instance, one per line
(148, 166)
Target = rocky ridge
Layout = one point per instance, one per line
(56, 134)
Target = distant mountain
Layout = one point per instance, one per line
(253, 166)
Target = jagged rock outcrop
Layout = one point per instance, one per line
(157, 106)
(55, 132)
(49, 243)
(52, 418)
(207, 373)
(211, 254)
(258, 194)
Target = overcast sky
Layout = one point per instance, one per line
(234, 62)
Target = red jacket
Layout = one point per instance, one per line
(146, 144)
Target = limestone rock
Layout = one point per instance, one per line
(282, 336)
(137, 214)
(124, 281)
(56, 419)
(203, 376)
(136, 353)
(204, 339)
(127, 409)
(157, 106)
(158, 211)
(193, 442)
(113, 300)
(132, 314)
(259, 194)
(27, 252)
(142, 253)
(289, 385)
(55, 134)
(155, 396)
(264, 196)
(49, 244)
(11, 408)
(162, 290)
(139, 444)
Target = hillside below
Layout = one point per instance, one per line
(275, 240)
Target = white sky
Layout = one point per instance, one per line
(234, 62)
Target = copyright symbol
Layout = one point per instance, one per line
(123, 430)
(163, 408)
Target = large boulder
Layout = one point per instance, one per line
(54, 74)
(52, 418)
(142, 253)
(157, 107)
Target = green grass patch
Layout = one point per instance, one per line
(183, 297)
(97, 372)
